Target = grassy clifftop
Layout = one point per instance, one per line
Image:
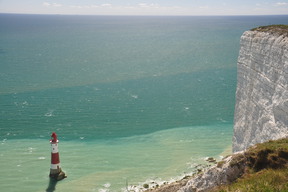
(273, 29)
(266, 168)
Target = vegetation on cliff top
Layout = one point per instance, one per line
(266, 168)
(273, 29)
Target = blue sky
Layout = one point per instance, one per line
(146, 7)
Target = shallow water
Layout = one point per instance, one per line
(90, 166)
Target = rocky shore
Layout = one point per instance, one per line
(271, 155)
(172, 185)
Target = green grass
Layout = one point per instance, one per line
(274, 29)
(266, 169)
(267, 180)
(272, 154)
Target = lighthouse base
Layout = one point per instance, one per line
(57, 174)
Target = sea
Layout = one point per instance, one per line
(133, 99)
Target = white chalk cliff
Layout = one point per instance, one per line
(261, 110)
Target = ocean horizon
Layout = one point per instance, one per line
(131, 98)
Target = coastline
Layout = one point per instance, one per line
(262, 167)
(176, 183)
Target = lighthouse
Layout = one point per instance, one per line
(55, 169)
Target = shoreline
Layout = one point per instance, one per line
(254, 166)
(154, 185)
(174, 184)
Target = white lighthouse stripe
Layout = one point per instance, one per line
(55, 166)
(54, 148)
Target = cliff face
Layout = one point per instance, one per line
(261, 111)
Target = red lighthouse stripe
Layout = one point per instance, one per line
(55, 158)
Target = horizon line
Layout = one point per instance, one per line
(163, 15)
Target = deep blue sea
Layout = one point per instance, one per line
(132, 98)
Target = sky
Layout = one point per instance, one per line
(146, 7)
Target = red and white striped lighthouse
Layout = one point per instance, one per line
(55, 169)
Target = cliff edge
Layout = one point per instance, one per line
(261, 110)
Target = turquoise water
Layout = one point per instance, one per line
(131, 98)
